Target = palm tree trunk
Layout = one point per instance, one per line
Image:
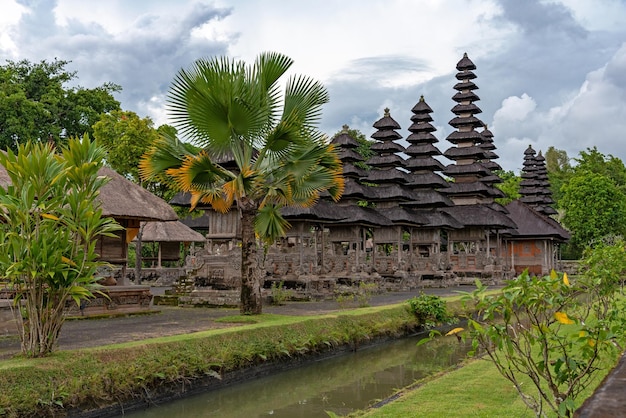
(251, 302)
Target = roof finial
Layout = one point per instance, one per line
(422, 98)
(387, 112)
(465, 55)
(344, 129)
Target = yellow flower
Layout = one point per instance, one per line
(49, 216)
(591, 342)
(563, 318)
(553, 274)
(565, 279)
(454, 331)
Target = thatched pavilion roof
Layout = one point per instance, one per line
(171, 231)
(121, 198)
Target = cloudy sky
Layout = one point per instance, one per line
(550, 73)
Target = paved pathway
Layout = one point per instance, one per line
(173, 321)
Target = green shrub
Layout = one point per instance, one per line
(429, 310)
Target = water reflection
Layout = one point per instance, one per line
(341, 384)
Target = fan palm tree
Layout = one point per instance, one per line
(275, 156)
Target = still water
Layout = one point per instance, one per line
(341, 384)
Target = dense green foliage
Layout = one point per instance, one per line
(36, 105)
(47, 238)
(126, 137)
(261, 150)
(551, 331)
(509, 186)
(429, 310)
(607, 166)
(594, 207)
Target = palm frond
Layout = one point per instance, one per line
(167, 152)
(219, 201)
(304, 98)
(269, 223)
(199, 172)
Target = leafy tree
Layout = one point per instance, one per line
(35, 104)
(256, 156)
(126, 137)
(594, 207)
(609, 166)
(555, 333)
(48, 235)
(559, 172)
(509, 186)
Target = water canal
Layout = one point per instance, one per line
(340, 384)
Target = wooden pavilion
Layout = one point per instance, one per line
(169, 236)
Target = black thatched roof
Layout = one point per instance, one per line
(389, 175)
(532, 224)
(322, 211)
(478, 169)
(460, 153)
(440, 219)
(344, 140)
(422, 150)
(465, 136)
(480, 215)
(198, 223)
(428, 199)
(402, 216)
(475, 188)
(423, 163)
(357, 215)
(427, 179)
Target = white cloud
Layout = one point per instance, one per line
(11, 13)
(515, 109)
(551, 73)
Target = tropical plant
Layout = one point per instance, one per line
(256, 156)
(47, 239)
(551, 332)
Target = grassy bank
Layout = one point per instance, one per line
(90, 379)
(474, 390)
